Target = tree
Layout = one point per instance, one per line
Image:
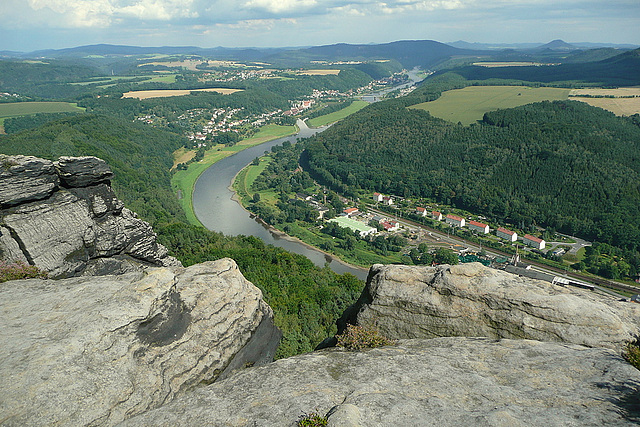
(255, 198)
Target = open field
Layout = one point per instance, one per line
(507, 64)
(618, 106)
(182, 155)
(320, 72)
(161, 93)
(338, 115)
(191, 64)
(183, 181)
(111, 80)
(623, 101)
(469, 104)
(17, 109)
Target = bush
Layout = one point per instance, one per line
(311, 420)
(19, 270)
(357, 338)
(632, 354)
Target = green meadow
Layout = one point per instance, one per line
(469, 104)
(338, 115)
(17, 109)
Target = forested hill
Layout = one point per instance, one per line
(564, 164)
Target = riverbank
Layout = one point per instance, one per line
(183, 181)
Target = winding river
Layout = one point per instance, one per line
(216, 210)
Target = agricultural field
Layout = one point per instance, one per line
(468, 105)
(624, 101)
(17, 109)
(161, 93)
(111, 80)
(338, 115)
(319, 72)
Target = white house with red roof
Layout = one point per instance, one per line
(391, 225)
(509, 235)
(454, 220)
(377, 197)
(478, 226)
(387, 200)
(421, 211)
(533, 241)
(436, 215)
(350, 211)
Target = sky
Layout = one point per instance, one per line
(27, 25)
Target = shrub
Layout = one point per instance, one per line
(632, 354)
(19, 270)
(312, 420)
(357, 338)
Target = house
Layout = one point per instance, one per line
(533, 241)
(421, 211)
(436, 215)
(391, 225)
(387, 200)
(350, 211)
(454, 220)
(509, 235)
(479, 227)
(377, 197)
(321, 211)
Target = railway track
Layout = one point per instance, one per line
(582, 277)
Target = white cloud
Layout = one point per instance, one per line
(280, 6)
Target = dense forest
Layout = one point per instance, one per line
(564, 165)
(306, 299)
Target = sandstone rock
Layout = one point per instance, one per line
(439, 382)
(475, 301)
(95, 351)
(75, 231)
(25, 178)
(82, 171)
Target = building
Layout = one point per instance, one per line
(362, 229)
(533, 241)
(436, 215)
(377, 197)
(454, 220)
(478, 226)
(387, 200)
(509, 235)
(390, 225)
(421, 211)
(350, 211)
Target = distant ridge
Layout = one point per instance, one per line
(558, 45)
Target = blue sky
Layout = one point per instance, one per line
(27, 25)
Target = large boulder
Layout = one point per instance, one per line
(97, 350)
(439, 382)
(476, 301)
(82, 229)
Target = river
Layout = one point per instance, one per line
(216, 210)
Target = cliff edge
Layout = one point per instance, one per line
(64, 218)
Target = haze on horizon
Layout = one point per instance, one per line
(27, 25)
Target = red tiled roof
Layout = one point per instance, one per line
(532, 238)
(454, 217)
(505, 231)
(350, 210)
(477, 224)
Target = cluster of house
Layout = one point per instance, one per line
(379, 198)
(298, 107)
(482, 228)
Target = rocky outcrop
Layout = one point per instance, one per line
(475, 301)
(64, 218)
(95, 351)
(439, 382)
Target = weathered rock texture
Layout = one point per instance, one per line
(64, 218)
(439, 382)
(475, 301)
(95, 351)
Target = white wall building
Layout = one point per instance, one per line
(454, 220)
(533, 241)
(509, 235)
(478, 226)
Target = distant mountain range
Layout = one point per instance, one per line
(527, 46)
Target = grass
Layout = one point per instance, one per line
(468, 105)
(183, 181)
(17, 109)
(337, 115)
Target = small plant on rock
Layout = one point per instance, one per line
(19, 270)
(358, 337)
(632, 353)
(312, 420)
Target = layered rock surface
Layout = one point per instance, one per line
(439, 382)
(475, 301)
(95, 351)
(64, 218)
